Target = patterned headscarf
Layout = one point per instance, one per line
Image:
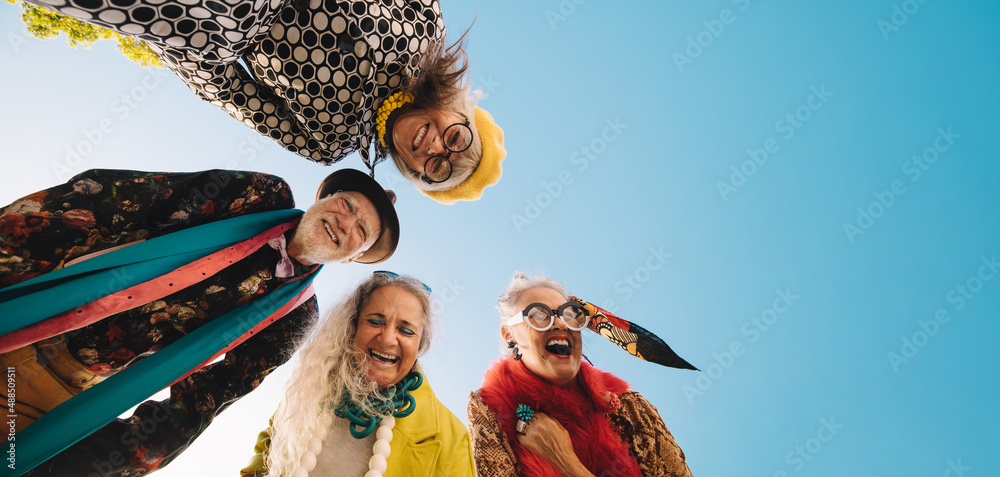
(631, 337)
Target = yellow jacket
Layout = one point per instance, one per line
(431, 441)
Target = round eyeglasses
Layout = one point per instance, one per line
(456, 138)
(540, 317)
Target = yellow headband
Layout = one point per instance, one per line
(388, 106)
(489, 170)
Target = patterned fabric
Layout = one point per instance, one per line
(652, 444)
(320, 68)
(631, 337)
(219, 31)
(145, 329)
(102, 209)
(634, 419)
(490, 446)
(85, 413)
(78, 295)
(580, 410)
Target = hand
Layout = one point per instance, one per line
(548, 439)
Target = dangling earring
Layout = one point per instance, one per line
(512, 345)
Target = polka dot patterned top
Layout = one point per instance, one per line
(319, 69)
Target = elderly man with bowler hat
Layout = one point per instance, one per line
(118, 283)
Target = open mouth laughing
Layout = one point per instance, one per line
(559, 346)
(382, 357)
(329, 231)
(418, 137)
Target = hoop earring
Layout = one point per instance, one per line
(513, 346)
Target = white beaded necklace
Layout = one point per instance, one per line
(377, 465)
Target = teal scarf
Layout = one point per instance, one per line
(66, 288)
(37, 299)
(395, 401)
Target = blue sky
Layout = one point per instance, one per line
(796, 197)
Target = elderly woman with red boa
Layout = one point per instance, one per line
(544, 412)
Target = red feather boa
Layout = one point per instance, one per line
(508, 383)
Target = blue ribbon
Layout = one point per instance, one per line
(87, 412)
(34, 300)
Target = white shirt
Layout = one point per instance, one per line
(342, 454)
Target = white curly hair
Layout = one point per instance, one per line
(328, 369)
(520, 283)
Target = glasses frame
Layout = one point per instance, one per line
(447, 157)
(392, 274)
(522, 316)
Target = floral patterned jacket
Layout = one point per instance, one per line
(101, 209)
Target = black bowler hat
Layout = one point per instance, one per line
(357, 181)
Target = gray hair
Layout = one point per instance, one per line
(328, 369)
(520, 283)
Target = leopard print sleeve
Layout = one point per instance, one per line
(490, 449)
(654, 447)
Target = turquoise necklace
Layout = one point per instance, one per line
(395, 401)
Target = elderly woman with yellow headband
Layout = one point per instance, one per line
(327, 78)
(544, 412)
(358, 404)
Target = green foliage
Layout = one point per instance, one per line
(137, 51)
(43, 24)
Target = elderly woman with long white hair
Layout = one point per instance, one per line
(544, 412)
(358, 404)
